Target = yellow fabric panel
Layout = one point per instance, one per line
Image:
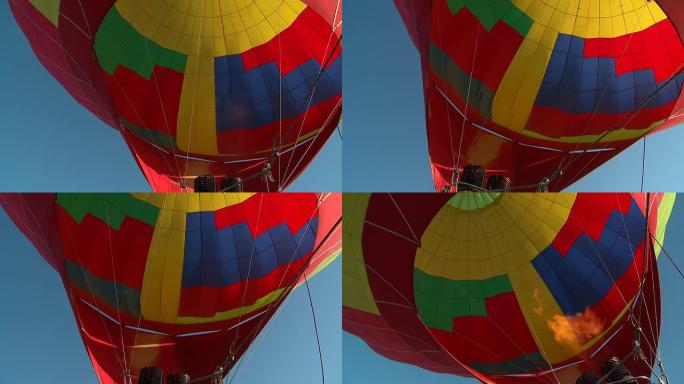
(479, 244)
(614, 135)
(145, 356)
(538, 307)
(593, 18)
(513, 102)
(196, 121)
(664, 212)
(160, 295)
(235, 312)
(221, 27)
(48, 8)
(194, 202)
(356, 292)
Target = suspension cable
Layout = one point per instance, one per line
(672, 260)
(643, 165)
(313, 316)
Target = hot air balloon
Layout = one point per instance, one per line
(531, 95)
(506, 288)
(177, 284)
(243, 94)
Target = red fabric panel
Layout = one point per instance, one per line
(675, 11)
(591, 124)
(330, 11)
(46, 42)
(386, 341)
(35, 216)
(589, 215)
(147, 103)
(78, 25)
(88, 244)
(329, 234)
(390, 265)
(205, 301)
(500, 336)
(632, 52)
(304, 40)
(276, 209)
(456, 35)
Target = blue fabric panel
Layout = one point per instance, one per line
(220, 258)
(576, 84)
(583, 277)
(252, 99)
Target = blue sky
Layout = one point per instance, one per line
(385, 145)
(39, 330)
(51, 143)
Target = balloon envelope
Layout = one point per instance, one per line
(507, 288)
(179, 281)
(526, 88)
(221, 88)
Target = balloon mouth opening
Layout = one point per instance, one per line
(155, 375)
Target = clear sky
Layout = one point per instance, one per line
(40, 341)
(385, 143)
(51, 143)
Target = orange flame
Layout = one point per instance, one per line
(575, 331)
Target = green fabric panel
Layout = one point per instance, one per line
(480, 98)
(491, 12)
(440, 300)
(151, 136)
(521, 364)
(472, 201)
(112, 208)
(110, 292)
(48, 8)
(118, 43)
